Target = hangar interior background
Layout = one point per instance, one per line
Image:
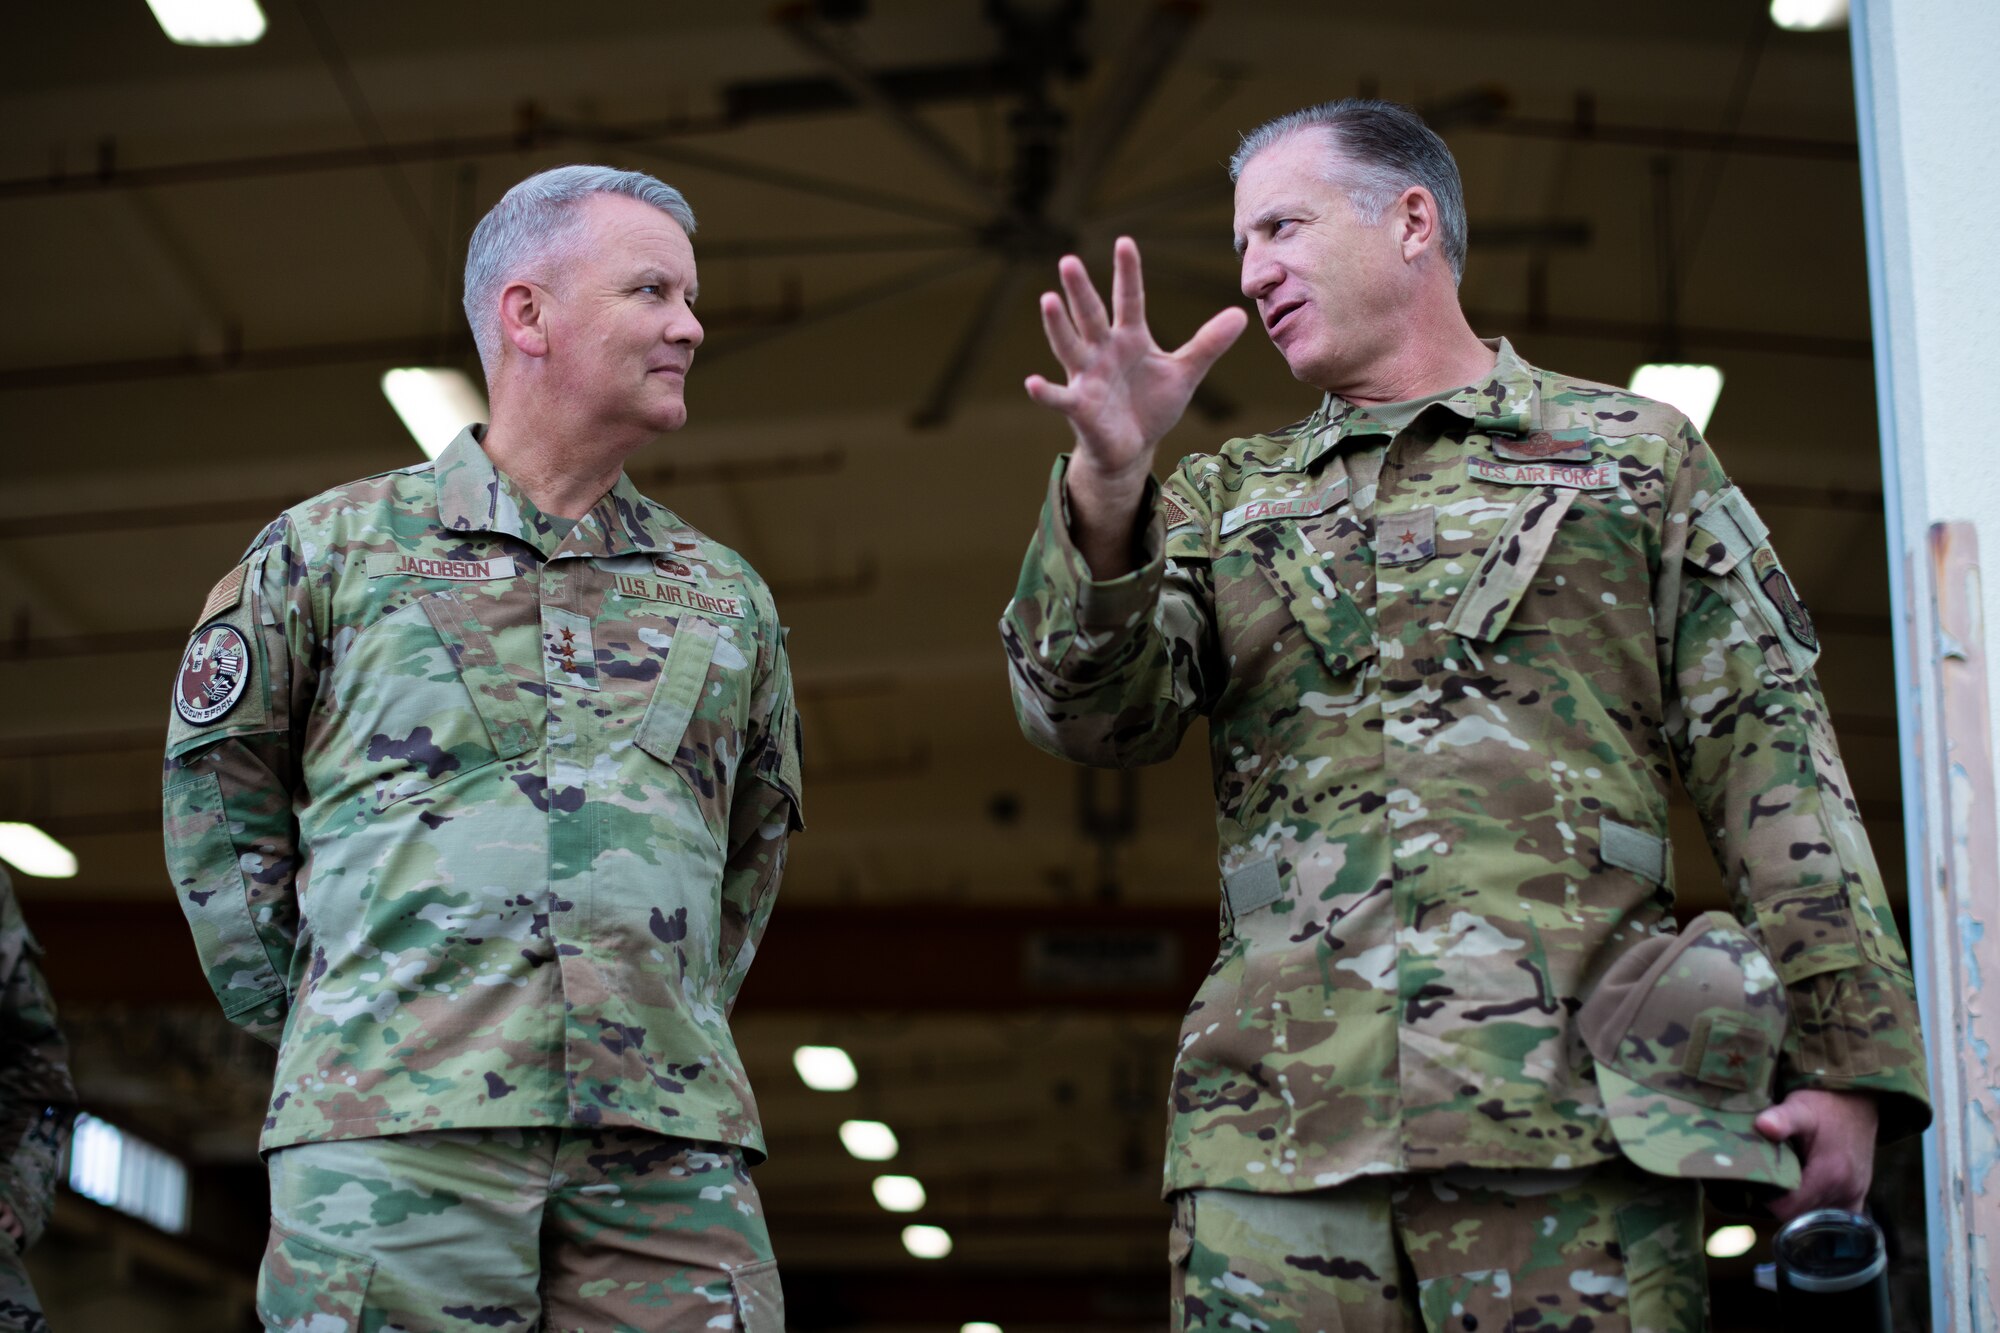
(217, 253)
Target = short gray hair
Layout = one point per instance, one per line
(532, 231)
(1380, 149)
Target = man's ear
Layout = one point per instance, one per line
(1416, 214)
(524, 318)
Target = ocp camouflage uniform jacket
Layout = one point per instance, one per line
(1444, 672)
(37, 1098)
(494, 830)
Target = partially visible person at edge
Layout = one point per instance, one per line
(478, 788)
(37, 1104)
(1453, 633)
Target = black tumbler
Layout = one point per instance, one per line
(1833, 1274)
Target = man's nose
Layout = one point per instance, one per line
(687, 329)
(1260, 275)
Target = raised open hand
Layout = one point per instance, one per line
(1123, 392)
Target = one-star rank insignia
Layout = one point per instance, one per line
(214, 672)
(1406, 538)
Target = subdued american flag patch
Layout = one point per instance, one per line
(224, 595)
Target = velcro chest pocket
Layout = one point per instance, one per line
(1327, 616)
(695, 721)
(678, 693)
(1508, 568)
(507, 717)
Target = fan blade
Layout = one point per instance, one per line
(723, 165)
(1148, 57)
(1206, 188)
(902, 284)
(863, 243)
(979, 333)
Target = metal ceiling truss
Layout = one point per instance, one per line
(1043, 207)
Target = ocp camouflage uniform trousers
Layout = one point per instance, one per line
(1606, 1249)
(471, 1231)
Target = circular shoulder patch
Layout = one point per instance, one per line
(214, 671)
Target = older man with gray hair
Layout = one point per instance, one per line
(478, 787)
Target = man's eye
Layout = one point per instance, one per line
(652, 287)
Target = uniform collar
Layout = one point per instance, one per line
(1507, 402)
(475, 496)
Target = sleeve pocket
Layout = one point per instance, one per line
(786, 758)
(306, 1285)
(1732, 544)
(201, 858)
(1808, 931)
(760, 1300)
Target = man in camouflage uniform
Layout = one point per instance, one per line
(1452, 634)
(478, 788)
(37, 1103)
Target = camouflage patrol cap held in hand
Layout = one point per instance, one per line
(1686, 1030)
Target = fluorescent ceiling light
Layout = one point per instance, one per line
(1731, 1241)
(110, 1166)
(869, 1140)
(1809, 15)
(927, 1242)
(33, 852)
(210, 22)
(899, 1194)
(1693, 389)
(824, 1068)
(435, 405)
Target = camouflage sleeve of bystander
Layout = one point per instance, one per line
(37, 1098)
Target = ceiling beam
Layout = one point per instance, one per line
(408, 349)
(865, 88)
(535, 133)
